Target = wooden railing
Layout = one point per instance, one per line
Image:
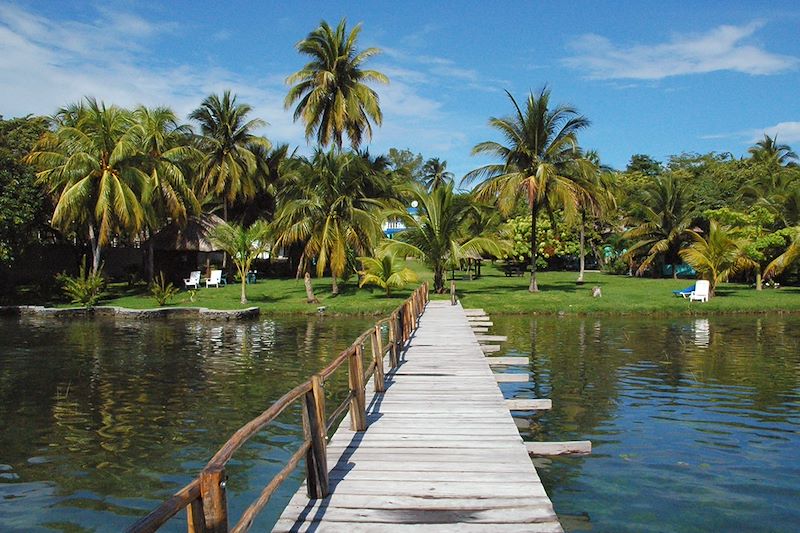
(205, 498)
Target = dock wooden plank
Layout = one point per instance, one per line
(441, 451)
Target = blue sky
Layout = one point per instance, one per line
(652, 79)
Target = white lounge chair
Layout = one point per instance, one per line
(193, 281)
(215, 279)
(701, 291)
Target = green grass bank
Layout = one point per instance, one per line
(494, 292)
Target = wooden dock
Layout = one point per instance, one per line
(441, 451)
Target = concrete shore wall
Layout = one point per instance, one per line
(122, 312)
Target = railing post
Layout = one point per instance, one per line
(314, 425)
(215, 503)
(377, 355)
(358, 415)
(393, 358)
(452, 293)
(195, 519)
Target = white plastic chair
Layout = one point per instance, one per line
(701, 291)
(193, 281)
(215, 279)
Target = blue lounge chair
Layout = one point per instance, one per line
(684, 293)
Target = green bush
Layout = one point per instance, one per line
(85, 288)
(162, 291)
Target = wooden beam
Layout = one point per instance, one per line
(574, 447)
(507, 377)
(474, 312)
(490, 348)
(480, 330)
(481, 323)
(532, 404)
(491, 338)
(508, 361)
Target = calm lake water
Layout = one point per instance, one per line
(695, 423)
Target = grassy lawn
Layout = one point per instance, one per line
(494, 292)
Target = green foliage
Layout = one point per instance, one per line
(551, 242)
(388, 272)
(162, 291)
(23, 209)
(84, 289)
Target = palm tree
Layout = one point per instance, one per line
(768, 151)
(92, 164)
(331, 92)
(228, 163)
(717, 256)
(387, 272)
(594, 196)
(439, 234)
(244, 245)
(169, 156)
(664, 223)
(435, 173)
(539, 161)
(330, 212)
(783, 261)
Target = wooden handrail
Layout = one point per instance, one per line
(204, 498)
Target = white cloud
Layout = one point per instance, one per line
(786, 132)
(722, 48)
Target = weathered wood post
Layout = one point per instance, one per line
(215, 502)
(393, 357)
(453, 293)
(314, 427)
(358, 404)
(377, 356)
(195, 519)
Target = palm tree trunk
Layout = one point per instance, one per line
(334, 285)
(674, 271)
(243, 300)
(534, 215)
(759, 284)
(225, 218)
(94, 243)
(582, 251)
(310, 298)
(438, 279)
(150, 266)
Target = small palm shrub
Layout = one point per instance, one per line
(162, 291)
(387, 272)
(85, 288)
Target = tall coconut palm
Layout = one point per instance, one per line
(768, 151)
(435, 173)
(439, 234)
(663, 223)
(783, 261)
(330, 213)
(539, 161)
(717, 256)
(331, 91)
(91, 163)
(244, 245)
(228, 163)
(168, 157)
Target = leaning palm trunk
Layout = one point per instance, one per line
(94, 242)
(310, 298)
(534, 215)
(334, 285)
